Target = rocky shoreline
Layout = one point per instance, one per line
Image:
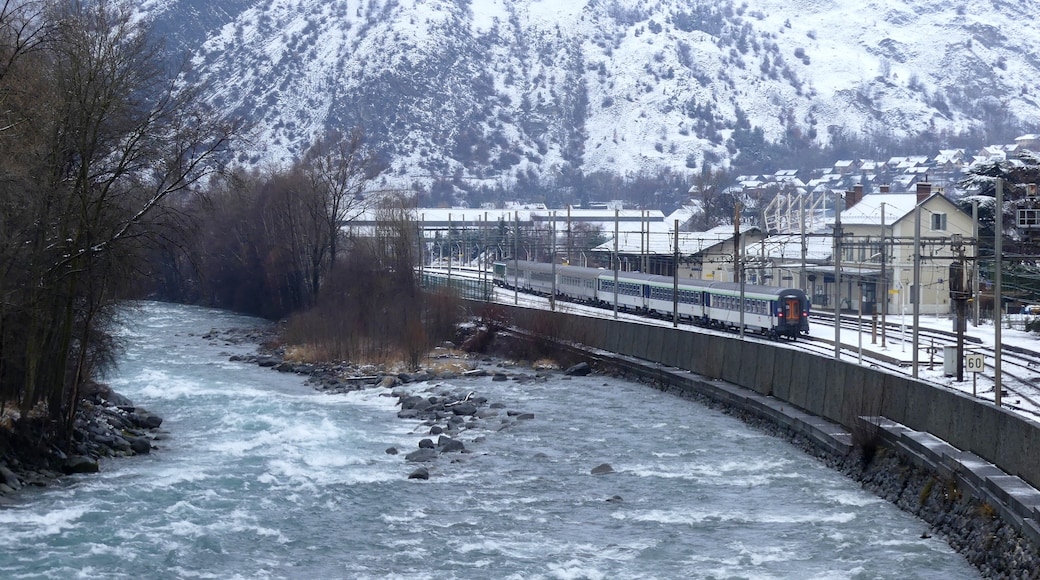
(445, 413)
(107, 425)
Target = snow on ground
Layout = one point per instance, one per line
(858, 339)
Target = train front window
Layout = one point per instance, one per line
(792, 309)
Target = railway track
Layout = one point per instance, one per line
(1020, 367)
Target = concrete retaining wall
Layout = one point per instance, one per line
(838, 391)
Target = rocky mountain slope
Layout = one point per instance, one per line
(497, 91)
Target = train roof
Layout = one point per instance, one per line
(734, 287)
(726, 287)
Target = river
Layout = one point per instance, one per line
(261, 476)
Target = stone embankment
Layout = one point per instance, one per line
(915, 471)
(107, 425)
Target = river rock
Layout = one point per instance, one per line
(8, 478)
(140, 445)
(579, 370)
(464, 409)
(80, 464)
(449, 445)
(120, 444)
(602, 468)
(146, 420)
(426, 444)
(421, 455)
(421, 473)
(414, 402)
(268, 361)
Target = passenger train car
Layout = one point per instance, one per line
(775, 312)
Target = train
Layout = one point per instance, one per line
(772, 311)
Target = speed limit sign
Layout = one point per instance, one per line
(974, 363)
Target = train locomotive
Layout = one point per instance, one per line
(771, 311)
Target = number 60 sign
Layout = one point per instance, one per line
(974, 363)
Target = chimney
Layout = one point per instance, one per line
(924, 191)
(855, 196)
(885, 188)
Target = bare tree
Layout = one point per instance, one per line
(103, 146)
(716, 206)
(336, 170)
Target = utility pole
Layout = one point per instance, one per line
(570, 241)
(915, 295)
(802, 281)
(484, 260)
(516, 259)
(884, 279)
(977, 263)
(451, 249)
(616, 264)
(675, 278)
(998, 301)
(552, 258)
(837, 277)
(422, 245)
(960, 299)
(738, 261)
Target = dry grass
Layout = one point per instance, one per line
(306, 353)
(441, 366)
(545, 364)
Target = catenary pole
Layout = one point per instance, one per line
(915, 295)
(516, 259)
(616, 264)
(975, 269)
(738, 262)
(998, 299)
(884, 279)
(675, 278)
(552, 258)
(837, 276)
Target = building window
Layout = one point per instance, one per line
(938, 222)
(1029, 218)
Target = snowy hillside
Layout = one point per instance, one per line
(501, 90)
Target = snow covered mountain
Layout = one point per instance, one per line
(507, 90)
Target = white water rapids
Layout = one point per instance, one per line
(263, 477)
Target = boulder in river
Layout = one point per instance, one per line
(465, 408)
(80, 464)
(602, 468)
(579, 370)
(421, 473)
(421, 455)
(140, 445)
(448, 445)
(146, 420)
(8, 478)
